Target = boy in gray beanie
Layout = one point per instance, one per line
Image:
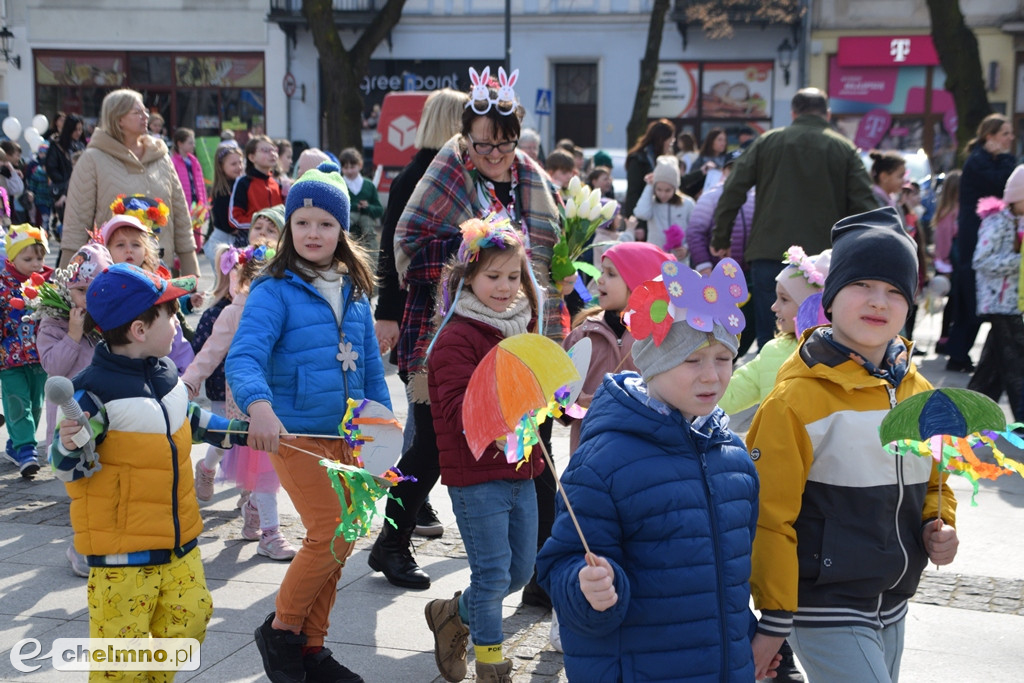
(844, 530)
(667, 497)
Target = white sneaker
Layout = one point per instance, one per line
(204, 482)
(79, 565)
(554, 635)
(274, 545)
(251, 522)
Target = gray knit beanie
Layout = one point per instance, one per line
(679, 343)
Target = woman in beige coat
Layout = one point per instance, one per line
(122, 158)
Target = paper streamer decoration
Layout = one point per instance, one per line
(516, 378)
(947, 425)
(374, 434)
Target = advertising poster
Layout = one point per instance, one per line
(675, 91)
(740, 90)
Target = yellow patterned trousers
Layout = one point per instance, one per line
(163, 601)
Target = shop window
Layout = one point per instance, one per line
(576, 103)
(150, 70)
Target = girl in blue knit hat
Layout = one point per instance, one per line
(304, 346)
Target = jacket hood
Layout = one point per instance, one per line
(615, 405)
(153, 148)
(817, 359)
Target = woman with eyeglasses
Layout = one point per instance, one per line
(476, 173)
(123, 159)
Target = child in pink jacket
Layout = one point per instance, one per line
(625, 266)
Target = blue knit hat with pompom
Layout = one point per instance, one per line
(322, 188)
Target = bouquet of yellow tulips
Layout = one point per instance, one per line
(585, 211)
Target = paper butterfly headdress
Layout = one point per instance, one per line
(682, 295)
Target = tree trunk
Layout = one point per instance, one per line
(648, 74)
(342, 70)
(957, 47)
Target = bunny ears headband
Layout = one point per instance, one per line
(480, 100)
(682, 295)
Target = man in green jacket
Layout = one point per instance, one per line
(808, 176)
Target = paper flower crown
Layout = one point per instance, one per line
(682, 295)
(483, 233)
(795, 256)
(151, 211)
(480, 100)
(233, 256)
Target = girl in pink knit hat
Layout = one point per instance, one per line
(624, 267)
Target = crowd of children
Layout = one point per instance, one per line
(652, 568)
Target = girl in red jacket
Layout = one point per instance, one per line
(494, 501)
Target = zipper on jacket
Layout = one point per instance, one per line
(723, 631)
(174, 458)
(901, 483)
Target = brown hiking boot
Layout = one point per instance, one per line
(494, 673)
(450, 637)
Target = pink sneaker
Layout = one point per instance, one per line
(204, 482)
(274, 545)
(251, 522)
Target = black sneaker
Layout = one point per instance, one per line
(427, 523)
(960, 366)
(321, 667)
(281, 652)
(534, 595)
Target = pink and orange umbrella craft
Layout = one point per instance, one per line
(522, 381)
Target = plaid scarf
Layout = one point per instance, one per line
(427, 236)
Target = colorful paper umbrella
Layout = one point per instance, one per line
(519, 375)
(947, 425)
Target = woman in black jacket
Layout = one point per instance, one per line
(659, 139)
(988, 166)
(59, 161)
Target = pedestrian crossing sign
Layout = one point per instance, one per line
(543, 106)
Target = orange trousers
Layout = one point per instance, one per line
(310, 585)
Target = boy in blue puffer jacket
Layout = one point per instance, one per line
(667, 498)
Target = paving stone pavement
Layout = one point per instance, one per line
(380, 628)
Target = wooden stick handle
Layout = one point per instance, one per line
(242, 431)
(565, 498)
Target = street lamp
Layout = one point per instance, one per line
(786, 58)
(5, 48)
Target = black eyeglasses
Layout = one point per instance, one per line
(485, 148)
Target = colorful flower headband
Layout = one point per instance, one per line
(152, 212)
(480, 100)
(233, 256)
(795, 256)
(481, 233)
(680, 294)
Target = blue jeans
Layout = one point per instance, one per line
(498, 523)
(850, 654)
(762, 290)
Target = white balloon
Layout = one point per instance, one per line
(40, 122)
(34, 138)
(11, 127)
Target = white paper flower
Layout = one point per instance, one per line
(348, 356)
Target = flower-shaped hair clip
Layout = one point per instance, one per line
(233, 256)
(795, 256)
(480, 100)
(152, 212)
(480, 233)
(682, 295)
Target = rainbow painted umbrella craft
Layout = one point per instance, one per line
(948, 425)
(515, 381)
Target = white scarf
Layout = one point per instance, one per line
(510, 322)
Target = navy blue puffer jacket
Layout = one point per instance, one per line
(674, 510)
